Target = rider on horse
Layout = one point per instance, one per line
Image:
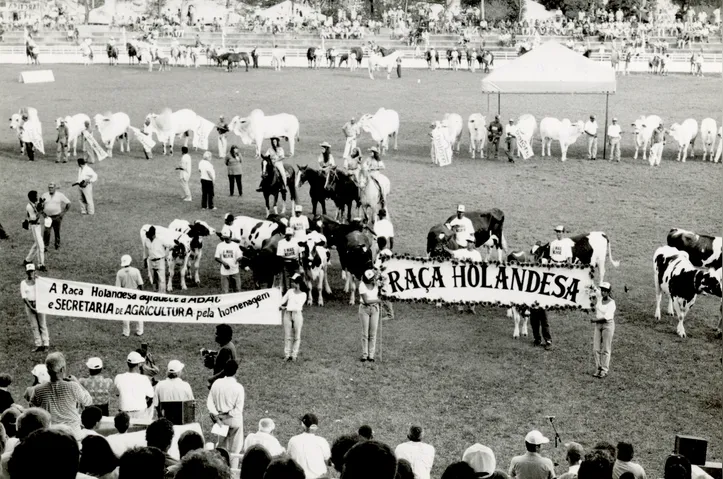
(276, 153)
(375, 162)
(326, 160)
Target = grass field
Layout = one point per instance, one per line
(462, 377)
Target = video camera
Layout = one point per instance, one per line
(209, 357)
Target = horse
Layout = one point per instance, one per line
(389, 62)
(112, 52)
(654, 65)
(133, 53)
(486, 60)
(373, 192)
(317, 189)
(164, 63)
(271, 184)
(341, 188)
(234, 59)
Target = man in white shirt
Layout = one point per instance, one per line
(226, 405)
(308, 450)
(470, 252)
(228, 254)
(510, 139)
(184, 173)
(299, 223)
(591, 133)
(134, 390)
(419, 454)
(32, 216)
(574, 456)
(86, 178)
(265, 438)
(55, 205)
(38, 323)
(561, 248)
(462, 227)
(532, 465)
(157, 250)
(624, 463)
(288, 250)
(173, 388)
(130, 278)
(383, 228)
(614, 134)
(208, 178)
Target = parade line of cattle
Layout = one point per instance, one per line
(689, 265)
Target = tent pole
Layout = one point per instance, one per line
(488, 104)
(498, 103)
(605, 138)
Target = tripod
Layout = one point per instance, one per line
(558, 439)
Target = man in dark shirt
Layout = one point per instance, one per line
(495, 133)
(255, 57)
(224, 336)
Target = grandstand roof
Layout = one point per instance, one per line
(551, 68)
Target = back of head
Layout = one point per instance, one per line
(189, 441)
(230, 368)
(97, 457)
(203, 465)
(9, 419)
(59, 453)
(255, 462)
(340, 447)
(366, 431)
(55, 362)
(369, 459)
(677, 467)
(225, 332)
(142, 462)
(91, 416)
(607, 447)
(283, 468)
(625, 451)
(597, 465)
(122, 421)
(459, 470)
(160, 434)
(404, 470)
(415, 433)
(32, 420)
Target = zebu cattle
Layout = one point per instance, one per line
(676, 276)
(703, 250)
(177, 255)
(16, 121)
(388, 62)
(685, 134)
(197, 231)
(477, 126)
(315, 261)
(75, 125)
(708, 128)
(257, 127)
(278, 58)
(167, 125)
(592, 248)
(453, 124)
(381, 126)
(113, 126)
(565, 132)
(644, 127)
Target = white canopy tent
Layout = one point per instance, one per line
(288, 9)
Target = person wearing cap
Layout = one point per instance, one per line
(614, 135)
(228, 255)
(369, 314)
(308, 450)
(326, 160)
(134, 390)
(86, 178)
(129, 277)
(222, 130)
(208, 178)
(234, 167)
(351, 131)
(419, 454)
(292, 304)
(383, 228)
(481, 459)
(157, 250)
(62, 396)
(351, 163)
(225, 403)
(33, 214)
(265, 438)
(604, 324)
(55, 205)
(560, 248)
(97, 385)
(510, 139)
(494, 134)
(276, 154)
(38, 322)
(532, 465)
(658, 141)
(289, 251)
(173, 388)
(184, 173)
(62, 151)
(40, 376)
(590, 130)
(462, 227)
(299, 223)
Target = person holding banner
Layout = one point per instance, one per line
(130, 278)
(385, 307)
(604, 329)
(32, 211)
(38, 323)
(369, 314)
(228, 255)
(86, 178)
(560, 250)
(292, 304)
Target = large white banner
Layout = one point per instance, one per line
(524, 148)
(84, 300)
(441, 149)
(494, 284)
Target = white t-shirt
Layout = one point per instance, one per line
(591, 127)
(288, 249)
(294, 301)
(27, 291)
(299, 224)
(265, 440)
(561, 250)
(370, 293)
(205, 168)
(384, 228)
(605, 311)
(229, 253)
(614, 131)
(462, 228)
(311, 453)
(419, 455)
(133, 389)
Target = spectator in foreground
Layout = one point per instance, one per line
(265, 438)
(419, 454)
(173, 388)
(254, 463)
(404, 470)
(369, 459)
(97, 458)
(574, 455)
(341, 446)
(677, 467)
(189, 441)
(284, 468)
(160, 435)
(142, 462)
(59, 453)
(597, 465)
(9, 421)
(308, 450)
(90, 419)
(624, 463)
(40, 376)
(225, 403)
(481, 459)
(532, 465)
(366, 432)
(122, 421)
(203, 465)
(29, 421)
(6, 399)
(134, 390)
(97, 385)
(459, 470)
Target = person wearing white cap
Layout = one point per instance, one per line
(560, 248)
(289, 251)
(173, 388)
(369, 314)
(265, 438)
(532, 465)
(38, 322)
(299, 223)
(129, 277)
(184, 174)
(462, 227)
(228, 255)
(134, 390)
(375, 161)
(604, 323)
(326, 160)
(292, 304)
(40, 376)
(481, 459)
(590, 130)
(97, 385)
(614, 135)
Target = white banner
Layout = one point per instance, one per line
(494, 284)
(143, 139)
(442, 149)
(98, 150)
(84, 300)
(524, 148)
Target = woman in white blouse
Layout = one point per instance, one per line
(292, 304)
(369, 315)
(604, 329)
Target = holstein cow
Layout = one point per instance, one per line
(16, 121)
(258, 240)
(167, 125)
(453, 124)
(703, 250)
(196, 231)
(644, 127)
(315, 261)
(565, 132)
(477, 126)
(382, 125)
(75, 124)
(592, 248)
(252, 232)
(178, 255)
(112, 126)
(676, 276)
(708, 129)
(313, 54)
(685, 134)
(257, 127)
(525, 129)
(521, 319)
(487, 232)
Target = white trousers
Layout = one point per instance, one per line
(37, 250)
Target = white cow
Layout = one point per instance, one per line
(388, 62)
(477, 126)
(167, 125)
(525, 128)
(196, 231)
(16, 121)
(179, 245)
(644, 127)
(113, 126)
(257, 127)
(708, 128)
(565, 132)
(383, 124)
(719, 150)
(76, 125)
(277, 58)
(685, 134)
(453, 123)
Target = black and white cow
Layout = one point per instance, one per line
(676, 276)
(315, 260)
(521, 318)
(592, 248)
(487, 232)
(703, 250)
(252, 233)
(179, 245)
(196, 231)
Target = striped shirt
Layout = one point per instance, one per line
(99, 388)
(62, 400)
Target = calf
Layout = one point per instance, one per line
(197, 231)
(702, 250)
(643, 128)
(592, 249)
(178, 255)
(676, 276)
(315, 261)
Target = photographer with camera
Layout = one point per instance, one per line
(217, 360)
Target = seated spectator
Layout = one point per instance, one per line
(97, 458)
(40, 376)
(369, 459)
(310, 451)
(341, 446)
(624, 463)
(419, 454)
(284, 468)
(532, 465)
(134, 390)
(188, 442)
(459, 470)
(366, 432)
(223, 454)
(6, 399)
(203, 465)
(57, 450)
(90, 419)
(264, 437)
(404, 470)
(122, 421)
(160, 435)
(597, 465)
(481, 459)
(574, 455)
(254, 463)
(97, 385)
(9, 421)
(142, 462)
(608, 448)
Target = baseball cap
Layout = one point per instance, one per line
(369, 275)
(30, 267)
(605, 285)
(298, 208)
(94, 363)
(310, 420)
(535, 437)
(296, 277)
(560, 228)
(225, 232)
(461, 208)
(175, 366)
(40, 371)
(480, 458)
(125, 260)
(135, 358)
(615, 119)
(289, 231)
(266, 425)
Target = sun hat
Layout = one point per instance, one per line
(374, 149)
(536, 438)
(175, 366)
(605, 285)
(94, 363)
(126, 260)
(325, 144)
(135, 358)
